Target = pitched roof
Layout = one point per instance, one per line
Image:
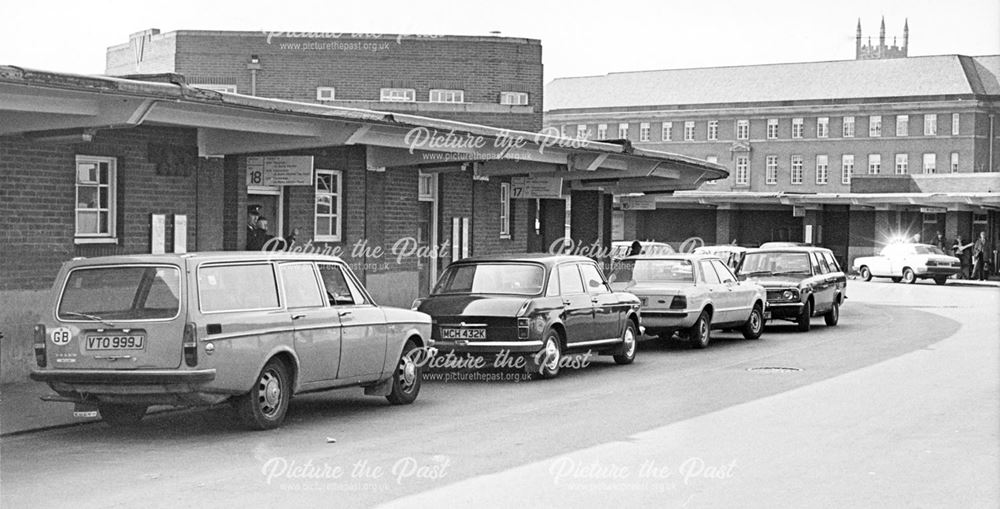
(807, 81)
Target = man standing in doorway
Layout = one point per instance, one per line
(979, 258)
(253, 215)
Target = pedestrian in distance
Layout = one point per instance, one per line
(939, 241)
(979, 258)
(253, 216)
(959, 250)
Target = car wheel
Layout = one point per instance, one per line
(755, 323)
(122, 416)
(866, 274)
(940, 280)
(550, 355)
(407, 377)
(264, 407)
(701, 332)
(805, 319)
(833, 316)
(896, 279)
(908, 276)
(629, 344)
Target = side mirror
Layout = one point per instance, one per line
(741, 277)
(612, 278)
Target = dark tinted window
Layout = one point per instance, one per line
(237, 287)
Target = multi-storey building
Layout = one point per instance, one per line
(842, 153)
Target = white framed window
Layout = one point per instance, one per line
(602, 131)
(742, 170)
(822, 169)
(930, 163)
(562, 131)
(644, 131)
(623, 131)
(327, 214)
(848, 127)
(846, 168)
(514, 98)
(440, 95)
(954, 124)
(581, 131)
(326, 93)
(231, 89)
(772, 128)
(875, 126)
(954, 162)
(713, 129)
(771, 170)
(902, 125)
(874, 164)
(96, 184)
(902, 164)
(930, 125)
(689, 130)
(397, 95)
(823, 127)
(742, 129)
(425, 187)
(667, 132)
(796, 170)
(798, 127)
(505, 210)
(714, 160)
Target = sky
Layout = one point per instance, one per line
(578, 37)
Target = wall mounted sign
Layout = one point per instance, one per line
(180, 233)
(280, 171)
(644, 202)
(158, 234)
(536, 187)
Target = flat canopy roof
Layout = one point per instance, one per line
(47, 105)
(954, 200)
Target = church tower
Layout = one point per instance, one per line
(870, 51)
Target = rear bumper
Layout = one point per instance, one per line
(110, 377)
(937, 271)
(679, 319)
(488, 346)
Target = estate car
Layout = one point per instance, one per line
(691, 294)
(801, 282)
(541, 307)
(127, 332)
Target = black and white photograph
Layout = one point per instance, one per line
(437, 254)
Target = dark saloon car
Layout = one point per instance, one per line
(801, 282)
(538, 306)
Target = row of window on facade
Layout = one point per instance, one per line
(435, 95)
(796, 167)
(742, 128)
(96, 207)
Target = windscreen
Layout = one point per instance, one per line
(776, 264)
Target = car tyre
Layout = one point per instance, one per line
(407, 377)
(265, 406)
(805, 319)
(700, 334)
(940, 280)
(755, 323)
(550, 356)
(908, 276)
(629, 344)
(833, 316)
(122, 416)
(866, 275)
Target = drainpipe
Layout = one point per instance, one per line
(992, 142)
(253, 66)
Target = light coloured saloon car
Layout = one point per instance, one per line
(127, 332)
(691, 294)
(908, 262)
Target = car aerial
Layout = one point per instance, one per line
(908, 262)
(801, 282)
(620, 249)
(538, 307)
(128, 332)
(731, 254)
(691, 294)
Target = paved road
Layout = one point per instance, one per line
(897, 405)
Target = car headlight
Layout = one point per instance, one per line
(787, 295)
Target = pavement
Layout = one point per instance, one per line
(22, 410)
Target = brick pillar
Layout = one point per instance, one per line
(208, 225)
(590, 219)
(861, 234)
(725, 226)
(813, 218)
(234, 197)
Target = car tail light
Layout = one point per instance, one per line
(679, 302)
(523, 326)
(40, 346)
(191, 344)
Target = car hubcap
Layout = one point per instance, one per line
(755, 321)
(407, 372)
(629, 342)
(703, 331)
(552, 354)
(270, 393)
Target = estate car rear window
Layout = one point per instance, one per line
(237, 287)
(121, 293)
(492, 278)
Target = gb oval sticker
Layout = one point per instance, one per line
(61, 336)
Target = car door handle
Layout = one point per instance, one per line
(343, 313)
(567, 303)
(296, 317)
(594, 300)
